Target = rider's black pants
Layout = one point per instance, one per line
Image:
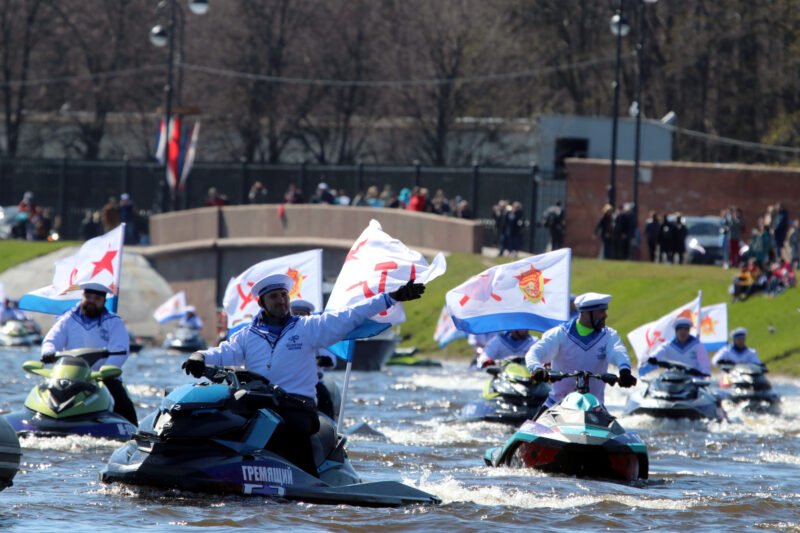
(123, 405)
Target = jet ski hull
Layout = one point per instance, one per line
(103, 424)
(496, 411)
(10, 454)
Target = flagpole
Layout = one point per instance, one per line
(699, 312)
(121, 246)
(344, 395)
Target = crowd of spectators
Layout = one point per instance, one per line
(33, 222)
(617, 231)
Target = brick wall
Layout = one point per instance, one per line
(691, 188)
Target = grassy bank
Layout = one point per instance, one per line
(642, 292)
(15, 252)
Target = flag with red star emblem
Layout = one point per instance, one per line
(305, 268)
(173, 309)
(98, 259)
(713, 328)
(378, 263)
(532, 293)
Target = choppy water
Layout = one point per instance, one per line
(735, 476)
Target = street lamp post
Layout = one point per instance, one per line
(160, 37)
(638, 110)
(620, 28)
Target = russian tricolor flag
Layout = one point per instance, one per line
(179, 153)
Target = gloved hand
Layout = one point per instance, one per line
(409, 291)
(626, 379)
(725, 362)
(652, 360)
(540, 375)
(48, 358)
(195, 365)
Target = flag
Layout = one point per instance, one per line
(446, 330)
(305, 268)
(172, 309)
(713, 328)
(378, 263)
(532, 293)
(98, 259)
(173, 152)
(188, 153)
(161, 143)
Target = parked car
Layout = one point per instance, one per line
(704, 240)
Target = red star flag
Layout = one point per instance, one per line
(98, 259)
(713, 328)
(532, 293)
(378, 263)
(305, 268)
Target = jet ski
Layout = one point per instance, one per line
(10, 454)
(211, 437)
(408, 357)
(72, 399)
(675, 393)
(576, 436)
(747, 386)
(185, 340)
(510, 396)
(19, 333)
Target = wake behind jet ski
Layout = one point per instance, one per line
(675, 393)
(576, 436)
(72, 400)
(510, 396)
(212, 437)
(746, 385)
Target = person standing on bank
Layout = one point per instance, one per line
(583, 343)
(90, 325)
(283, 348)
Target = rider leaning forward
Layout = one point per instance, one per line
(583, 343)
(282, 348)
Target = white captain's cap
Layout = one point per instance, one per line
(95, 286)
(592, 301)
(738, 332)
(189, 309)
(683, 322)
(299, 304)
(271, 283)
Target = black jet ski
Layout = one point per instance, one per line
(72, 399)
(510, 396)
(212, 436)
(747, 386)
(675, 393)
(185, 340)
(576, 436)
(10, 454)
(19, 333)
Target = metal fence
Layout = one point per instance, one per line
(71, 187)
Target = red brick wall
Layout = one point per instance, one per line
(692, 188)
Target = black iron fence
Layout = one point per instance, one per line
(71, 187)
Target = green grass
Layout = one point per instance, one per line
(15, 252)
(642, 292)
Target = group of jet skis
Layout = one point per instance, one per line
(215, 435)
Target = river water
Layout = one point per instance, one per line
(741, 475)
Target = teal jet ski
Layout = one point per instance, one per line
(576, 436)
(215, 437)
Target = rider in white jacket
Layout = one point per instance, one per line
(684, 348)
(737, 351)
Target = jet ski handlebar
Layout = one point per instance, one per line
(251, 388)
(673, 365)
(582, 378)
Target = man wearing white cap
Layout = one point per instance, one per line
(90, 325)
(190, 319)
(583, 343)
(737, 351)
(283, 348)
(684, 348)
(325, 360)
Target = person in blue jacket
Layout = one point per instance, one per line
(282, 348)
